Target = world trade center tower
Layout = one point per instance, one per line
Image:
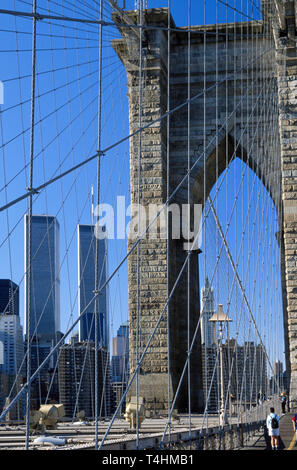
(45, 276)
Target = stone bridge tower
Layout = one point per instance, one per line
(209, 150)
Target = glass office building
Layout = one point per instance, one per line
(9, 297)
(11, 331)
(12, 344)
(11, 347)
(45, 285)
(120, 357)
(86, 285)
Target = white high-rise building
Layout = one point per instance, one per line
(207, 311)
(12, 344)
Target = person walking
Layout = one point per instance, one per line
(283, 402)
(272, 423)
(294, 422)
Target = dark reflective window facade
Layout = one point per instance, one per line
(45, 285)
(86, 281)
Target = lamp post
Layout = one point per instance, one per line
(221, 317)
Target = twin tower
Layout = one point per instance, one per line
(45, 301)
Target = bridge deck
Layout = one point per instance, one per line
(82, 436)
(120, 437)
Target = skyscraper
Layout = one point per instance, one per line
(207, 311)
(44, 301)
(11, 345)
(11, 337)
(120, 354)
(77, 379)
(86, 285)
(120, 363)
(45, 284)
(9, 297)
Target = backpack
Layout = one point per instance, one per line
(274, 423)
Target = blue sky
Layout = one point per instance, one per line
(66, 133)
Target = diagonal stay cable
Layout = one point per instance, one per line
(202, 155)
(40, 16)
(36, 373)
(124, 259)
(118, 266)
(238, 279)
(124, 139)
(188, 358)
(111, 276)
(185, 366)
(52, 140)
(151, 337)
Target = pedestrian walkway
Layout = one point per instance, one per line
(287, 440)
(286, 431)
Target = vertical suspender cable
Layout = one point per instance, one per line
(167, 196)
(29, 229)
(189, 213)
(241, 155)
(139, 198)
(217, 177)
(235, 182)
(228, 300)
(97, 312)
(245, 213)
(206, 345)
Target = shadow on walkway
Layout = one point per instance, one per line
(281, 445)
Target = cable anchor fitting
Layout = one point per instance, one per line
(32, 190)
(97, 292)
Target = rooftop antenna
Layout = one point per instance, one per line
(117, 3)
(92, 202)
(138, 4)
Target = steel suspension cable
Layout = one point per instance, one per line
(31, 185)
(97, 312)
